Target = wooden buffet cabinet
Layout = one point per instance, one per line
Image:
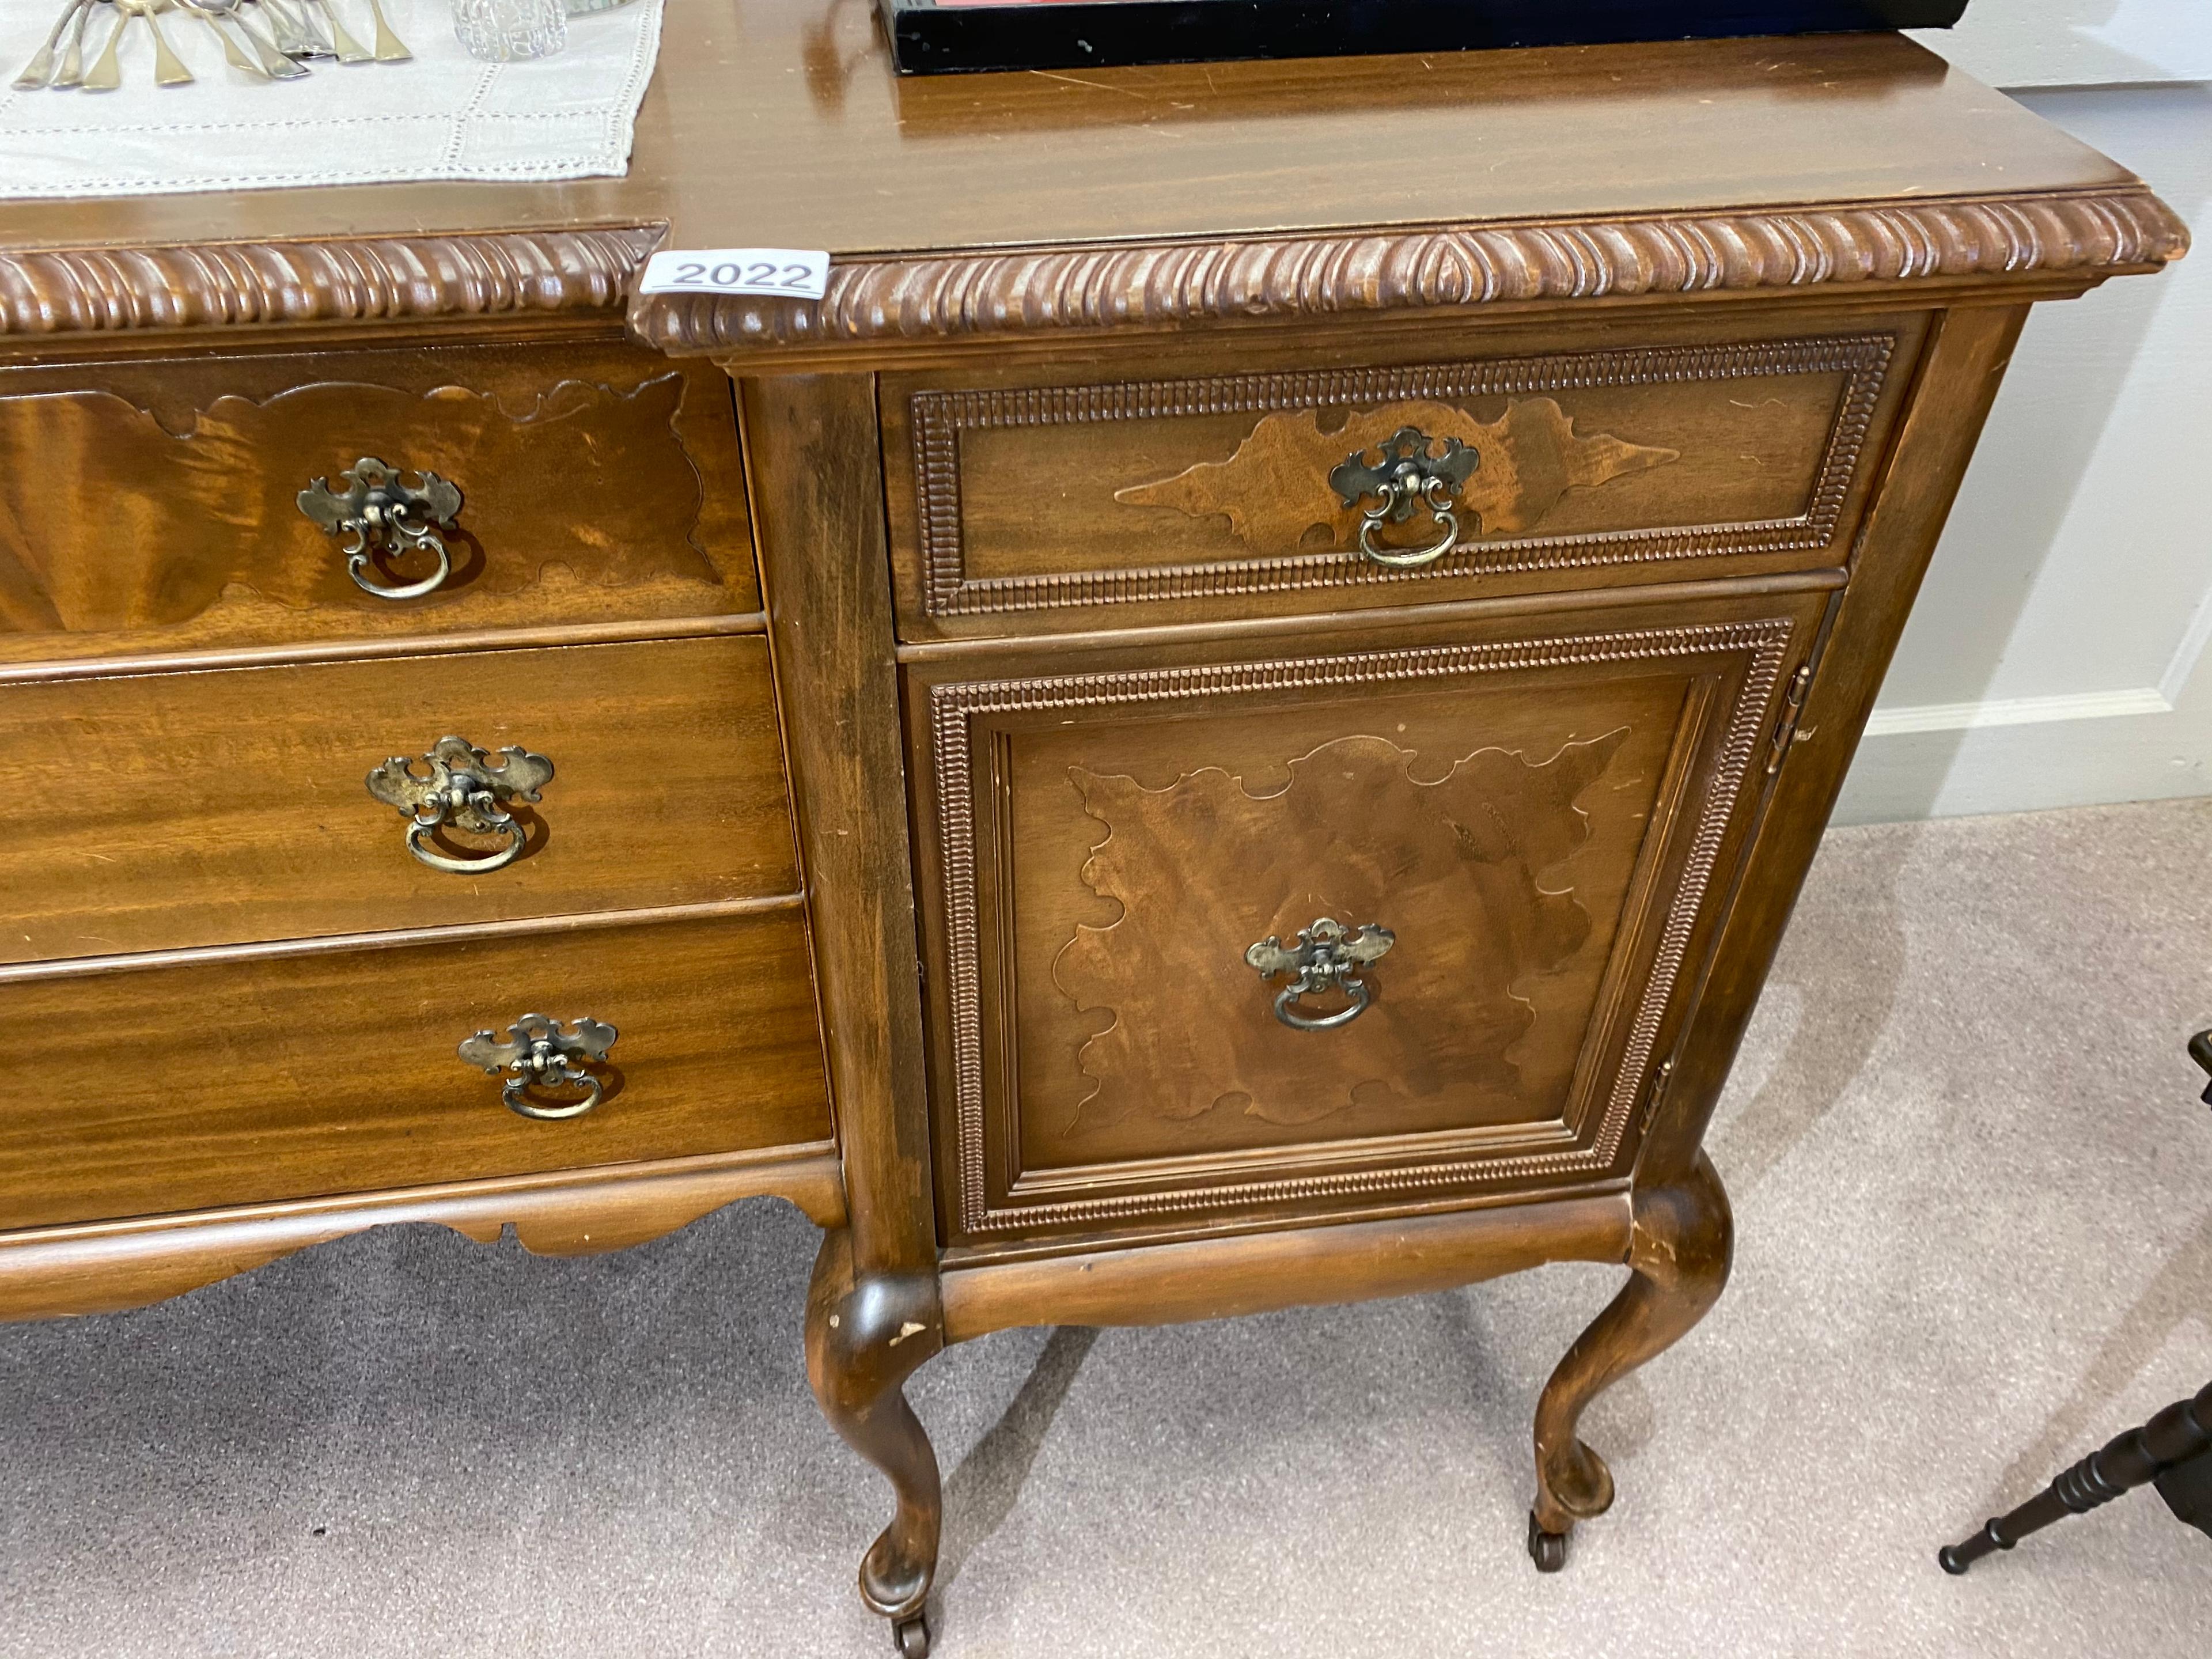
(1231, 720)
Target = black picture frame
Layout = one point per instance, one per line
(931, 38)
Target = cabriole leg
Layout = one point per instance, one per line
(863, 1339)
(1679, 1256)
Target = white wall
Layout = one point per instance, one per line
(2079, 43)
(2058, 656)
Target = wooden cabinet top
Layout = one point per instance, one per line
(1332, 185)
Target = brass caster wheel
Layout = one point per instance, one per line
(1548, 1550)
(911, 1637)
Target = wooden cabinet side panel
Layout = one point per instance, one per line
(811, 451)
(1958, 382)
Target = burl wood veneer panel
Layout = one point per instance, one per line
(1543, 812)
(153, 506)
(1038, 505)
(252, 1080)
(150, 811)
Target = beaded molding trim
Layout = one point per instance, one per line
(952, 707)
(938, 418)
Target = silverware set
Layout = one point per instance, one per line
(267, 39)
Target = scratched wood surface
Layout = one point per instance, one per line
(763, 113)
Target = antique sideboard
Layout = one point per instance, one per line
(1231, 720)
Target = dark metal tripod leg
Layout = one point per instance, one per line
(2179, 1433)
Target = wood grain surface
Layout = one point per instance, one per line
(1545, 815)
(163, 811)
(107, 1266)
(764, 113)
(1644, 451)
(214, 1083)
(1260, 1273)
(148, 505)
(811, 446)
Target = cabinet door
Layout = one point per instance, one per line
(1542, 812)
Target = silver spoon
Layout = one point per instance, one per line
(390, 48)
(350, 50)
(40, 68)
(106, 71)
(294, 37)
(169, 70)
(233, 54)
(274, 63)
(72, 69)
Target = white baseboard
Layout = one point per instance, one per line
(2026, 753)
(2016, 711)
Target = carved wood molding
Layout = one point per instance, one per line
(234, 284)
(2089, 234)
(952, 707)
(109, 1266)
(938, 418)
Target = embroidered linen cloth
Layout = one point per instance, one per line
(442, 115)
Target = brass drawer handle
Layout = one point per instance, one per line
(539, 1055)
(1327, 956)
(1407, 477)
(386, 519)
(464, 791)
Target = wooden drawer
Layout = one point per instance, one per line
(254, 1079)
(153, 505)
(1546, 813)
(155, 811)
(1022, 506)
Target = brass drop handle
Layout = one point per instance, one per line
(539, 1055)
(387, 518)
(1407, 477)
(463, 790)
(1327, 957)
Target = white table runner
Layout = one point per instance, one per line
(442, 115)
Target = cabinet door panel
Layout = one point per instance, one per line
(1542, 814)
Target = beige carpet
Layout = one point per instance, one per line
(1974, 1199)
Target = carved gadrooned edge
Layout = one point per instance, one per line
(953, 705)
(2089, 232)
(938, 418)
(235, 284)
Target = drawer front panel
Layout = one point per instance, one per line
(1022, 508)
(252, 1081)
(154, 507)
(1544, 818)
(153, 811)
